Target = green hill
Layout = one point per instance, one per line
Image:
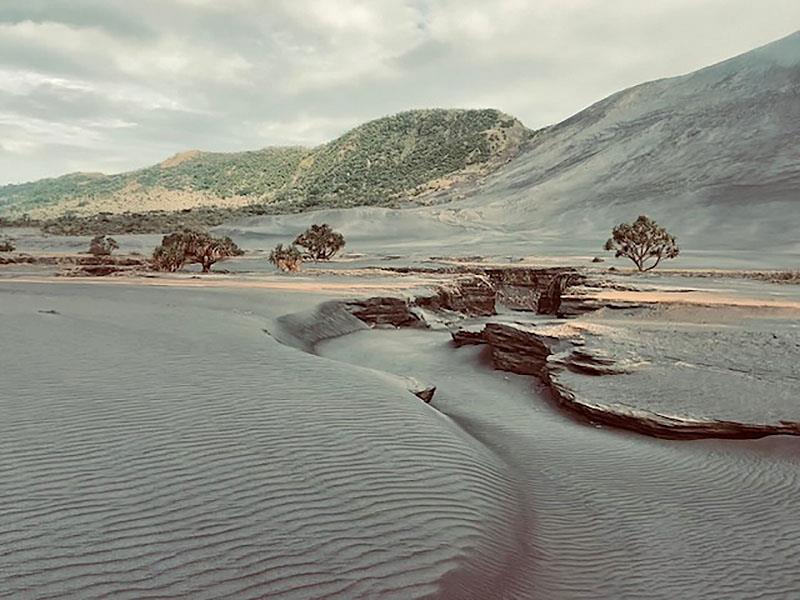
(383, 161)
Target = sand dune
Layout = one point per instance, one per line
(156, 443)
(614, 515)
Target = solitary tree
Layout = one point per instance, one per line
(7, 245)
(643, 241)
(320, 242)
(102, 245)
(193, 247)
(286, 258)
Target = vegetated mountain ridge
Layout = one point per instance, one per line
(409, 154)
(714, 155)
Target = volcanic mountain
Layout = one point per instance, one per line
(714, 154)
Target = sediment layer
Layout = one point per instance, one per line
(549, 353)
(522, 350)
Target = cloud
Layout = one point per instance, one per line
(300, 130)
(106, 84)
(94, 50)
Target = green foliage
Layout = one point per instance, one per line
(388, 156)
(375, 163)
(156, 221)
(102, 245)
(256, 173)
(642, 241)
(7, 245)
(192, 247)
(286, 258)
(46, 192)
(320, 242)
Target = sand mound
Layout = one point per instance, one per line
(612, 514)
(179, 452)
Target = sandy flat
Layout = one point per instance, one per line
(156, 442)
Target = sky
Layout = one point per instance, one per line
(112, 85)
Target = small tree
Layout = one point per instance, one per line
(286, 258)
(642, 241)
(320, 242)
(193, 247)
(7, 245)
(170, 255)
(102, 245)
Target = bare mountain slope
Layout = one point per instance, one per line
(714, 154)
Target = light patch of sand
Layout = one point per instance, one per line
(284, 285)
(574, 329)
(696, 298)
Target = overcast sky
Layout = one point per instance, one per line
(110, 85)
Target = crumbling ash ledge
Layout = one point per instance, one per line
(553, 354)
(472, 296)
(523, 350)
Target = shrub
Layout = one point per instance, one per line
(192, 247)
(102, 245)
(320, 242)
(642, 241)
(7, 245)
(286, 258)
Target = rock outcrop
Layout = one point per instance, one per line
(466, 296)
(538, 290)
(475, 291)
(472, 295)
(426, 395)
(382, 311)
(554, 351)
(523, 350)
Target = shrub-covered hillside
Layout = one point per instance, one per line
(382, 161)
(205, 175)
(406, 154)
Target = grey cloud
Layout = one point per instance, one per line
(105, 15)
(113, 84)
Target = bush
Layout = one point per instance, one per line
(192, 247)
(286, 258)
(7, 245)
(642, 241)
(102, 245)
(320, 242)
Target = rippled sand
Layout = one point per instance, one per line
(612, 514)
(155, 442)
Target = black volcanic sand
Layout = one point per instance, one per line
(156, 442)
(174, 441)
(612, 514)
(724, 363)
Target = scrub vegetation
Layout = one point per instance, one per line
(320, 242)
(644, 242)
(192, 247)
(102, 245)
(286, 258)
(382, 162)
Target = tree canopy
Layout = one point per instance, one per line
(320, 242)
(286, 258)
(102, 245)
(643, 242)
(193, 247)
